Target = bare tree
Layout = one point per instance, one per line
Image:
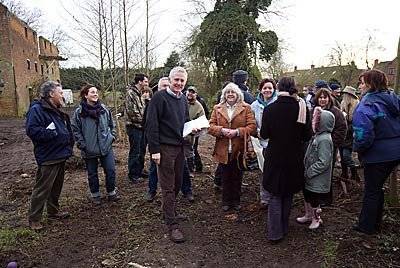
(33, 17)
(371, 46)
(276, 66)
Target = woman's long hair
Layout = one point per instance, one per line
(348, 104)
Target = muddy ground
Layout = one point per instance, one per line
(132, 234)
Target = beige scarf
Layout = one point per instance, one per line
(301, 118)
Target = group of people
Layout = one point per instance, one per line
(300, 138)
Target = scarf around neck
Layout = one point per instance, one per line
(93, 111)
(260, 98)
(301, 118)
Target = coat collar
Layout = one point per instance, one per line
(223, 110)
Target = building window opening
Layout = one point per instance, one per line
(42, 68)
(28, 64)
(36, 66)
(45, 44)
(26, 32)
(391, 71)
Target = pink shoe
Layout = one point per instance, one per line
(308, 216)
(316, 219)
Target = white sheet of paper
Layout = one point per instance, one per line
(200, 122)
(51, 126)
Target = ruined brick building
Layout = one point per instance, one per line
(26, 61)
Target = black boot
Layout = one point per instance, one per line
(354, 174)
(344, 174)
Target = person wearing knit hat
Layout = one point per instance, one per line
(240, 76)
(335, 91)
(321, 84)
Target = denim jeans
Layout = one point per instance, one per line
(346, 158)
(108, 163)
(137, 150)
(375, 176)
(153, 179)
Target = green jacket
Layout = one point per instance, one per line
(134, 108)
(319, 154)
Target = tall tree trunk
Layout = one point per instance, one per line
(394, 197)
(102, 79)
(147, 37)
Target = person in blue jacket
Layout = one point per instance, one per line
(50, 131)
(376, 133)
(94, 131)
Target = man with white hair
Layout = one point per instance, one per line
(167, 113)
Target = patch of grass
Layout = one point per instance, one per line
(389, 242)
(12, 238)
(328, 253)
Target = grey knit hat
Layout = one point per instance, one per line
(240, 76)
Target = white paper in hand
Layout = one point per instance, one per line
(200, 122)
(51, 126)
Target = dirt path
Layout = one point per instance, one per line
(132, 232)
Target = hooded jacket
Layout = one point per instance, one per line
(319, 154)
(376, 126)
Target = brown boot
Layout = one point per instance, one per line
(35, 225)
(177, 236)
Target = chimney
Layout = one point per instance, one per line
(312, 66)
(376, 63)
(295, 68)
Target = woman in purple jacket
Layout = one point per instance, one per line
(376, 125)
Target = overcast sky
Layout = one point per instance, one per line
(308, 28)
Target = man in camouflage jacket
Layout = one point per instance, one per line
(134, 108)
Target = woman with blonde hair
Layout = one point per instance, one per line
(348, 104)
(230, 120)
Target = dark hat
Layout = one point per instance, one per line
(321, 84)
(192, 88)
(334, 86)
(350, 90)
(240, 76)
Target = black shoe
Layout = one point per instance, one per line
(189, 196)
(357, 228)
(150, 197)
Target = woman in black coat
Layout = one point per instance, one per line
(286, 123)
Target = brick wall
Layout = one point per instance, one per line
(20, 64)
(7, 89)
(25, 55)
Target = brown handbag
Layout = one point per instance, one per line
(247, 160)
